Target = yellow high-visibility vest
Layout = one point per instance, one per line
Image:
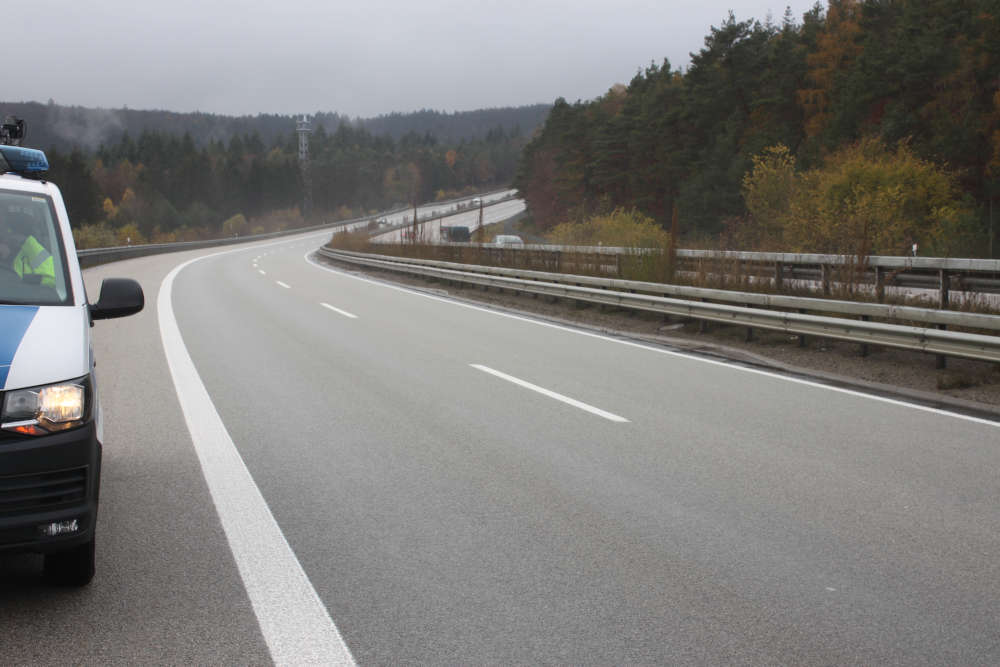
(34, 259)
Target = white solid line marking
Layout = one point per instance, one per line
(285, 285)
(551, 394)
(660, 350)
(293, 620)
(263, 273)
(338, 310)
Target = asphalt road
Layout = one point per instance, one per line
(166, 589)
(462, 486)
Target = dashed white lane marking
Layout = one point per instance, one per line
(551, 394)
(338, 310)
(659, 350)
(293, 620)
(263, 273)
(285, 285)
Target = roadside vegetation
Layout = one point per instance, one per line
(866, 126)
(865, 199)
(623, 228)
(640, 234)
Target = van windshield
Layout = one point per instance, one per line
(32, 259)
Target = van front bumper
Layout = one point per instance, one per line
(47, 483)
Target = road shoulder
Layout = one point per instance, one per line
(966, 386)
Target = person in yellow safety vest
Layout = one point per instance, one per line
(31, 259)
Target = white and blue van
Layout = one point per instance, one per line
(50, 417)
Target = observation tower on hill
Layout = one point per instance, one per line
(304, 128)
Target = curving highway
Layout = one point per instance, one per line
(430, 232)
(304, 465)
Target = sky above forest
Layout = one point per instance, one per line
(361, 58)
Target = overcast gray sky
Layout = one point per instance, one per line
(360, 58)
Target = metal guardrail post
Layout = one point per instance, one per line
(779, 275)
(864, 346)
(880, 284)
(826, 278)
(942, 360)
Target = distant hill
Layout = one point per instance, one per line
(65, 127)
(460, 125)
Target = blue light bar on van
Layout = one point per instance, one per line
(23, 160)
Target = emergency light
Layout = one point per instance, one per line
(22, 160)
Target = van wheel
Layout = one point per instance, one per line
(72, 567)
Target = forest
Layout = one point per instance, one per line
(163, 185)
(53, 125)
(866, 126)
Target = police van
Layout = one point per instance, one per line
(50, 417)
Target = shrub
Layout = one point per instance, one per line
(94, 236)
(621, 227)
(767, 191)
(236, 225)
(866, 199)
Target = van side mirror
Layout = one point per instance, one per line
(119, 297)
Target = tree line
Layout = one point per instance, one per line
(164, 187)
(67, 127)
(454, 127)
(817, 134)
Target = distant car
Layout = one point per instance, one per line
(475, 203)
(508, 241)
(456, 234)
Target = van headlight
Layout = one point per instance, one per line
(46, 409)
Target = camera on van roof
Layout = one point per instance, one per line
(12, 131)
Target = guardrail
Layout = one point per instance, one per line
(458, 200)
(94, 256)
(647, 296)
(942, 274)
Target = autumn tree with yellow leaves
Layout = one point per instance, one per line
(866, 199)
